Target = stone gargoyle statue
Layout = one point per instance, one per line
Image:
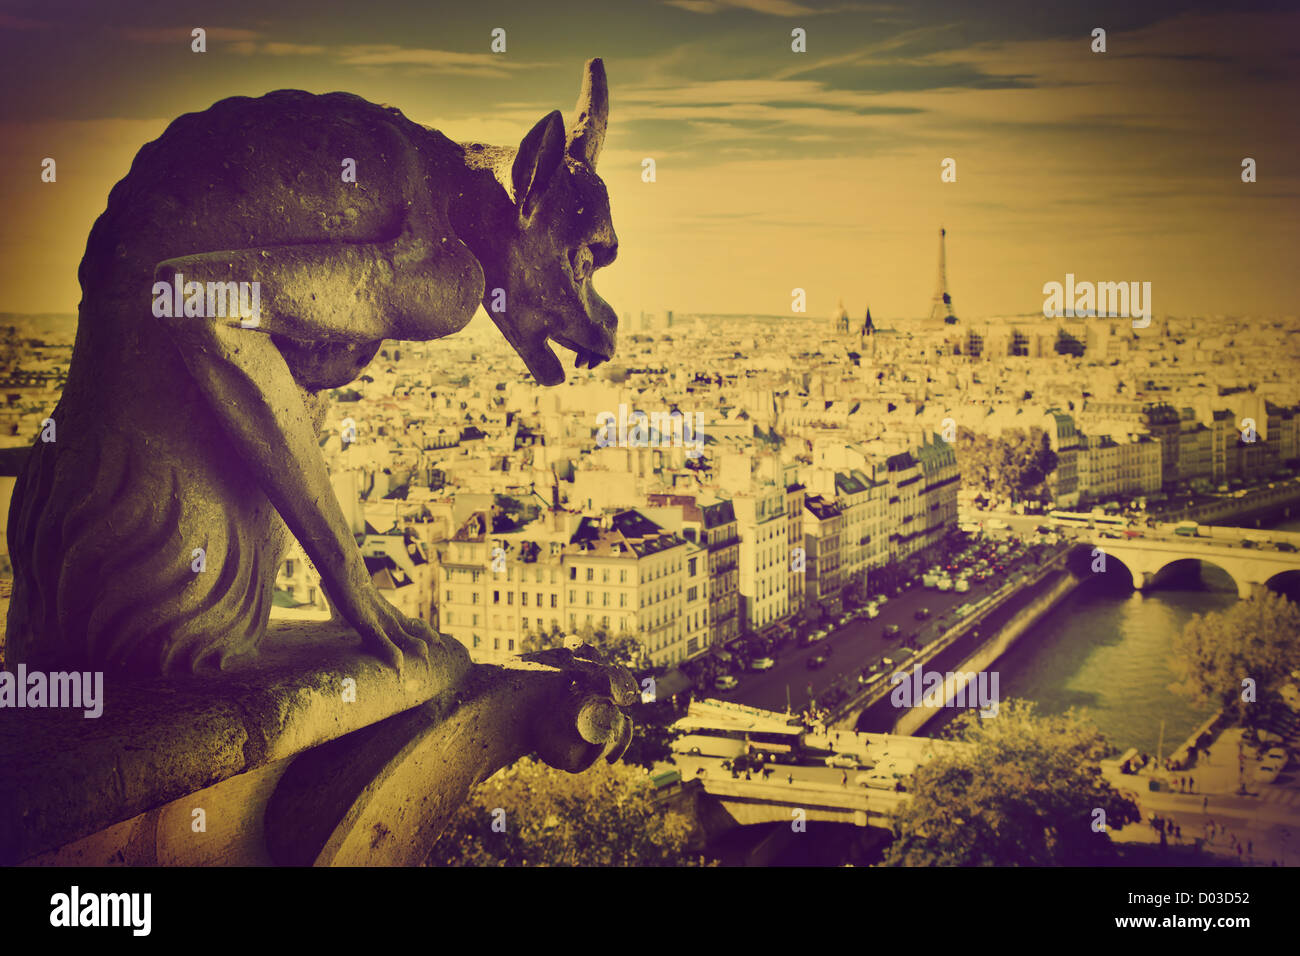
(198, 426)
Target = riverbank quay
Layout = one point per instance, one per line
(1257, 824)
(972, 644)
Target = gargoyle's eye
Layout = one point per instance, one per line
(581, 263)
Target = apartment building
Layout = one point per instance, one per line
(764, 556)
(823, 527)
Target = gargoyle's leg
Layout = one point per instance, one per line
(322, 293)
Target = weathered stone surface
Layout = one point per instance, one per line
(63, 775)
(119, 788)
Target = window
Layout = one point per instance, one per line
(604, 598)
(573, 598)
(591, 574)
(449, 601)
(510, 597)
(476, 625)
(288, 567)
(496, 643)
(553, 598)
(622, 600)
(510, 645)
(588, 598)
(474, 600)
(573, 574)
(622, 577)
(523, 599)
(496, 597)
(449, 618)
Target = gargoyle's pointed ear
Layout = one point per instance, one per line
(591, 116)
(539, 156)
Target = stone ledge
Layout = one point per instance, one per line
(64, 776)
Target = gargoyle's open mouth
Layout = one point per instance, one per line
(541, 360)
(586, 357)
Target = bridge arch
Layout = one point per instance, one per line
(1286, 583)
(1169, 570)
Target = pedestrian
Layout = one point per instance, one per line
(1239, 852)
(1178, 833)
(1191, 783)
(1205, 804)
(844, 778)
(789, 778)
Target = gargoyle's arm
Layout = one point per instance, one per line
(354, 293)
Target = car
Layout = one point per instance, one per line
(886, 775)
(880, 599)
(891, 632)
(871, 611)
(816, 661)
(844, 761)
(962, 586)
(1277, 755)
(886, 662)
(725, 682)
(922, 614)
(1284, 546)
(762, 664)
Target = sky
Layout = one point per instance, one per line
(774, 170)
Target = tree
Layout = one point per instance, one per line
(532, 815)
(1257, 639)
(1024, 793)
(651, 742)
(1015, 465)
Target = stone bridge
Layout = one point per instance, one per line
(1249, 567)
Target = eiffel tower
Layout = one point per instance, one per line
(941, 307)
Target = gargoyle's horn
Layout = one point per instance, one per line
(587, 134)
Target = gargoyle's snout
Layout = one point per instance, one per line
(593, 336)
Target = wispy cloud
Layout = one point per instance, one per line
(775, 8)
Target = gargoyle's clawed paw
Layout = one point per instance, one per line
(412, 645)
(381, 647)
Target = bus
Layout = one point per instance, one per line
(717, 729)
(1079, 519)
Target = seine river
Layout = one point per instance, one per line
(1106, 649)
